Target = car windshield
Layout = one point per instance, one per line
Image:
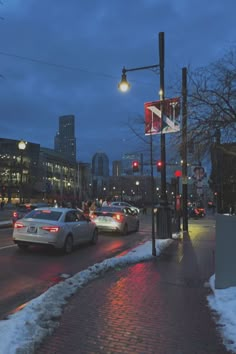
(44, 214)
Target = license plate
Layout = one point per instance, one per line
(32, 229)
(103, 218)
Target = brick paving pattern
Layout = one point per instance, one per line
(154, 307)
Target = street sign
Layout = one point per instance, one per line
(198, 173)
(171, 112)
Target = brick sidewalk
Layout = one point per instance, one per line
(157, 307)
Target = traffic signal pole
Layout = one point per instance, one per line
(164, 213)
(162, 97)
(154, 252)
(184, 151)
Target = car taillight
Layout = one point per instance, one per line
(118, 217)
(93, 216)
(15, 214)
(51, 228)
(18, 225)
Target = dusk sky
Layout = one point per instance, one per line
(62, 57)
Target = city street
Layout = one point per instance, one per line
(141, 141)
(25, 275)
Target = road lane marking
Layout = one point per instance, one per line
(2, 248)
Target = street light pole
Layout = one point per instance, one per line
(124, 86)
(162, 97)
(21, 147)
(154, 253)
(21, 175)
(164, 216)
(184, 152)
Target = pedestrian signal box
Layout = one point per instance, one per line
(135, 165)
(159, 165)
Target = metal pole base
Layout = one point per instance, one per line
(164, 222)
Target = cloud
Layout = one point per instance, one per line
(62, 57)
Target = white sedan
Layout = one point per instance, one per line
(61, 228)
(113, 218)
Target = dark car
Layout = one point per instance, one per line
(23, 209)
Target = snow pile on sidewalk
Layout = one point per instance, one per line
(223, 302)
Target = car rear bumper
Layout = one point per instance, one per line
(37, 240)
(27, 243)
(110, 228)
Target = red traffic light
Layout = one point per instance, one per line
(135, 165)
(178, 173)
(159, 165)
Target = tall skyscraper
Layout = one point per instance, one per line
(100, 165)
(65, 141)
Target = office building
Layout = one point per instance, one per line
(65, 141)
(35, 174)
(100, 165)
(116, 168)
(18, 169)
(100, 173)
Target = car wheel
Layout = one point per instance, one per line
(22, 247)
(68, 245)
(125, 230)
(95, 237)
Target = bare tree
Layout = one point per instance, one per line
(136, 125)
(212, 102)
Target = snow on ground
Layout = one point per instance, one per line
(223, 303)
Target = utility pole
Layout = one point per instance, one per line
(184, 151)
(154, 252)
(164, 217)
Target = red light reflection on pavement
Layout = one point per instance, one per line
(122, 305)
(113, 246)
(51, 272)
(120, 289)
